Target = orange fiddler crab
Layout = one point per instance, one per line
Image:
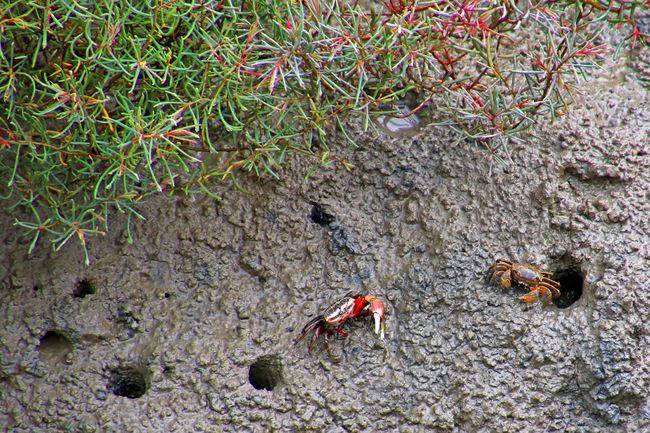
(538, 282)
(348, 307)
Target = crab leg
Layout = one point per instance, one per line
(310, 326)
(312, 340)
(554, 292)
(531, 296)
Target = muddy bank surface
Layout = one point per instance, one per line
(178, 332)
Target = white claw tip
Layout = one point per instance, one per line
(379, 326)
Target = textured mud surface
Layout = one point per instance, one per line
(193, 327)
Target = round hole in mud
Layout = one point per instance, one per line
(128, 382)
(320, 216)
(54, 346)
(571, 282)
(266, 372)
(83, 289)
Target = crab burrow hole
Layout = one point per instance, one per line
(266, 372)
(54, 347)
(84, 288)
(319, 215)
(129, 382)
(571, 284)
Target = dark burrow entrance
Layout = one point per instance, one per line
(320, 215)
(130, 382)
(266, 372)
(54, 346)
(571, 285)
(83, 289)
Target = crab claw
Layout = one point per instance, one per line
(531, 296)
(377, 310)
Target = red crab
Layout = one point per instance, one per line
(348, 307)
(538, 282)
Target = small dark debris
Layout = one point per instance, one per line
(341, 241)
(130, 322)
(168, 369)
(100, 394)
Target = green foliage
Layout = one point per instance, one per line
(106, 102)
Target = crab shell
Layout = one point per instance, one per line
(342, 310)
(355, 305)
(539, 282)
